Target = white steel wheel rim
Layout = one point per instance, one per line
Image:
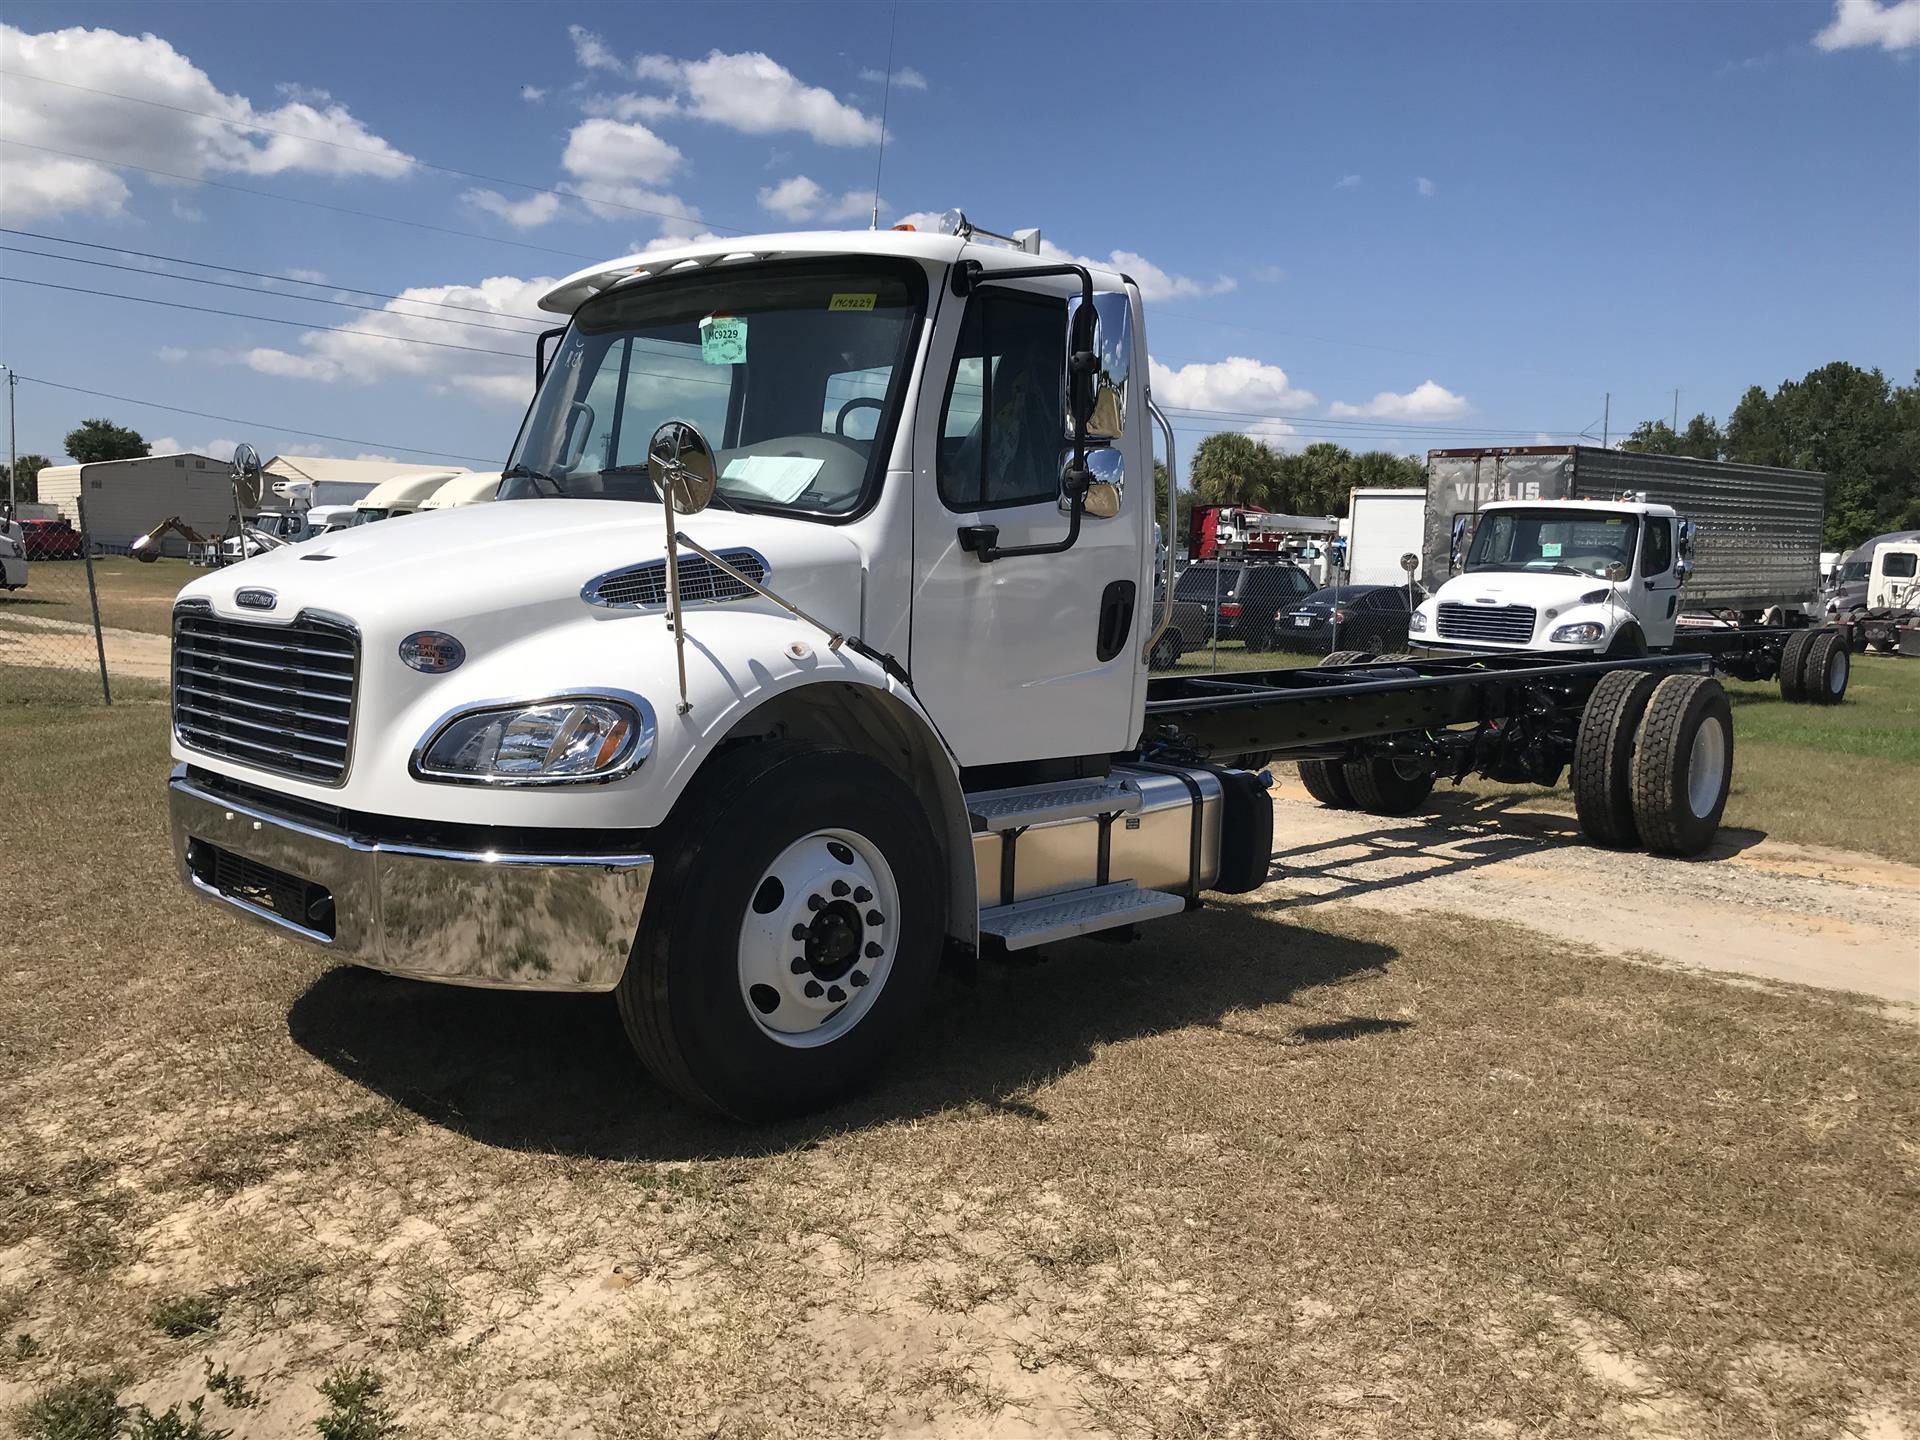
(1706, 766)
(818, 940)
(1837, 672)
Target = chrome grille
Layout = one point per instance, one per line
(701, 583)
(1506, 624)
(278, 697)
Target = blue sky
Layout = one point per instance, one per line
(1399, 225)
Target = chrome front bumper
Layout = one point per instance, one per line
(510, 920)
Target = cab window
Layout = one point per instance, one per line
(1004, 418)
(1656, 554)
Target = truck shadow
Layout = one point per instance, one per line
(554, 1073)
(1462, 832)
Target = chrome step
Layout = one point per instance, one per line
(1025, 805)
(1041, 921)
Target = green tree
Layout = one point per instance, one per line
(1701, 440)
(1384, 470)
(29, 486)
(1234, 469)
(96, 440)
(1862, 431)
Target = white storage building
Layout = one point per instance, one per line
(127, 498)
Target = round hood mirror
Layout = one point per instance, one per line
(680, 464)
(249, 475)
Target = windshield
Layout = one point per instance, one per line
(1202, 582)
(366, 516)
(793, 372)
(1552, 541)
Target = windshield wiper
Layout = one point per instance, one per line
(642, 470)
(519, 471)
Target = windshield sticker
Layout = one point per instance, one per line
(852, 302)
(723, 340)
(779, 479)
(1551, 549)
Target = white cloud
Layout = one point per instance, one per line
(536, 209)
(39, 184)
(1237, 385)
(1425, 187)
(191, 214)
(1347, 182)
(610, 152)
(170, 354)
(904, 78)
(303, 94)
(802, 199)
(305, 275)
(355, 353)
(533, 94)
(590, 52)
(1858, 23)
(220, 448)
(1426, 401)
(749, 92)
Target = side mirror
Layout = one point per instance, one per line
(1683, 570)
(1083, 366)
(1688, 530)
(1617, 572)
(1112, 344)
(680, 464)
(1103, 484)
(1456, 554)
(540, 352)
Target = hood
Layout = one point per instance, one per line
(522, 562)
(1501, 587)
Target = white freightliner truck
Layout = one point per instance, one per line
(1580, 550)
(805, 646)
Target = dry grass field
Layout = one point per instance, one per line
(1278, 1170)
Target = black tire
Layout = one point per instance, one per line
(1630, 643)
(1602, 773)
(1344, 657)
(681, 998)
(1829, 665)
(1677, 803)
(1167, 651)
(1793, 664)
(1326, 781)
(1386, 785)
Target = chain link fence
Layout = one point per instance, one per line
(81, 622)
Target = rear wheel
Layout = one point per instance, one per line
(792, 932)
(1326, 780)
(1793, 664)
(1344, 657)
(1167, 651)
(1683, 766)
(1829, 665)
(1602, 773)
(1390, 784)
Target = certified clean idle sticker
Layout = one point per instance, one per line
(723, 339)
(431, 652)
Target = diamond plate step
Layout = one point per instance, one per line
(1037, 804)
(1027, 923)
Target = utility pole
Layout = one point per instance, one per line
(1606, 418)
(13, 451)
(1675, 427)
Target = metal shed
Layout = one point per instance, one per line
(127, 498)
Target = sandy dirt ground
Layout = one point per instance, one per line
(1750, 906)
(132, 654)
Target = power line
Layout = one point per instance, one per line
(255, 290)
(258, 424)
(264, 319)
(544, 322)
(295, 200)
(387, 154)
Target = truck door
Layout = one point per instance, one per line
(1025, 657)
(1656, 598)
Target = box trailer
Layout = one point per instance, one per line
(1382, 526)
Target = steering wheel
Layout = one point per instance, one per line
(870, 402)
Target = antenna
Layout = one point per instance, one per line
(886, 95)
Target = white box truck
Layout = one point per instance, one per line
(1383, 526)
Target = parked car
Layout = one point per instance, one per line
(52, 540)
(1234, 600)
(13, 563)
(1347, 617)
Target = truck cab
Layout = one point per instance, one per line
(1894, 581)
(1578, 576)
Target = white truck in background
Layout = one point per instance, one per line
(1383, 526)
(807, 646)
(1548, 552)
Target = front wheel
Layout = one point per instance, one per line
(792, 933)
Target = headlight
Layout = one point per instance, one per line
(1417, 623)
(1584, 633)
(548, 742)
